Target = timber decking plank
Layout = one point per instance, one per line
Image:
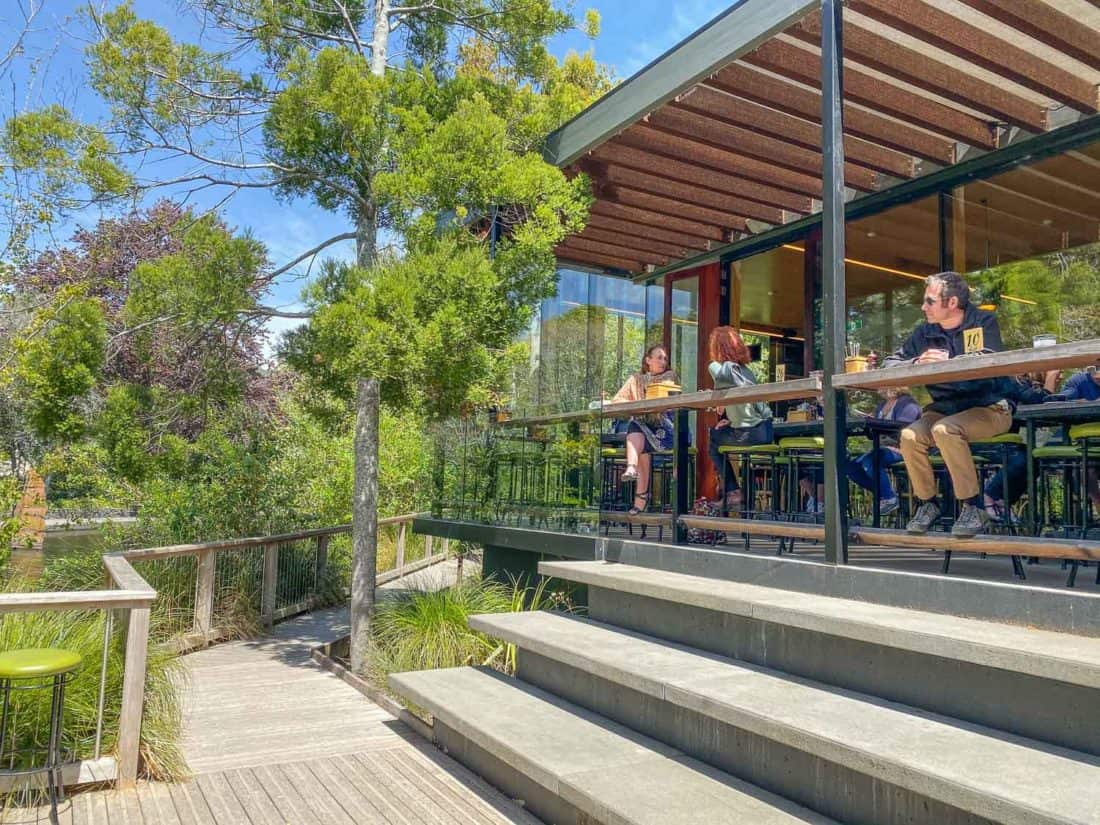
(188, 798)
(252, 797)
(215, 787)
(359, 807)
(413, 797)
(368, 785)
(290, 801)
(328, 810)
(156, 804)
(440, 791)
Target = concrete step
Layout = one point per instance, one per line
(847, 755)
(571, 766)
(965, 668)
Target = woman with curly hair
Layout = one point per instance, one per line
(739, 425)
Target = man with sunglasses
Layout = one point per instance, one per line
(961, 411)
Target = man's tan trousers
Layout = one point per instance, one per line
(952, 434)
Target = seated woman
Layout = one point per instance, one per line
(897, 405)
(649, 433)
(1032, 389)
(739, 425)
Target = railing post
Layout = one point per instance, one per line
(133, 696)
(204, 592)
(401, 544)
(271, 574)
(428, 542)
(322, 559)
(446, 547)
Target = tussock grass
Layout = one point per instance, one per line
(429, 629)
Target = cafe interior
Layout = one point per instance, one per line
(971, 143)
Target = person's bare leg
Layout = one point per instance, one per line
(644, 466)
(635, 443)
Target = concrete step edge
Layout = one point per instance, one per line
(514, 721)
(1046, 654)
(1032, 783)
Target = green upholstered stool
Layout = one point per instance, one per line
(1003, 438)
(805, 442)
(28, 670)
(751, 457)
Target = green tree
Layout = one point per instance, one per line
(57, 369)
(339, 120)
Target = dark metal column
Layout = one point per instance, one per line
(947, 239)
(833, 293)
(681, 445)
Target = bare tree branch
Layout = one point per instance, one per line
(345, 236)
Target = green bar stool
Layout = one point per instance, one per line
(751, 458)
(28, 670)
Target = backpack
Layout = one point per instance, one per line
(696, 535)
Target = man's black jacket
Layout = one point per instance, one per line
(978, 333)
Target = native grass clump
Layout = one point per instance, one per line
(423, 629)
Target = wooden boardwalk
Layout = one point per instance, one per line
(272, 738)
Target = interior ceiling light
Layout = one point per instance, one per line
(904, 274)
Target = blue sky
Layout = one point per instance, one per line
(634, 32)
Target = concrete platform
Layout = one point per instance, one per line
(572, 766)
(849, 755)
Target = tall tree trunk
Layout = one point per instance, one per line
(364, 523)
(366, 237)
(380, 40)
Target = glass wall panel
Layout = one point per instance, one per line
(888, 256)
(684, 332)
(510, 466)
(1028, 242)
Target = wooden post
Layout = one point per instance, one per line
(271, 576)
(364, 517)
(428, 545)
(133, 697)
(322, 560)
(446, 547)
(204, 592)
(400, 562)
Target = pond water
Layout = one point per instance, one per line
(58, 543)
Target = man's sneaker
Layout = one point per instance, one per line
(924, 518)
(996, 512)
(971, 521)
(887, 505)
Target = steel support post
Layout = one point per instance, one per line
(832, 271)
(947, 238)
(680, 462)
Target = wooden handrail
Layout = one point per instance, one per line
(701, 400)
(963, 368)
(74, 600)
(168, 551)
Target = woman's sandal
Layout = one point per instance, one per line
(644, 497)
(630, 473)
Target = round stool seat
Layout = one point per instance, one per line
(937, 460)
(761, 449)
(1089, 430)
(1057, 451)
(809, 442)
(1003, 438)
(32, 662)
